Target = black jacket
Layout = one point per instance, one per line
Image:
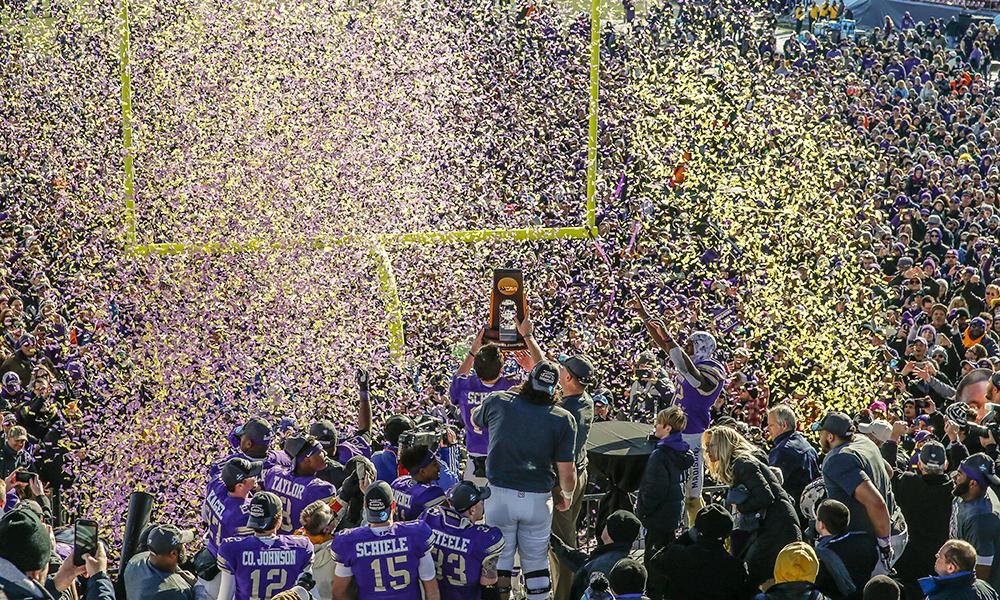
(778, 525)
(700, 569)
(927, 500)
(601, 560)
(11, 460)
(661, 494)
(795, 590)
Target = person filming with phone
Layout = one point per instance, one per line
(25, 553)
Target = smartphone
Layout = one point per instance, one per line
(25, 476)
(84, 540)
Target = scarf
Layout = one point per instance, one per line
(968, 342)
(674, 441)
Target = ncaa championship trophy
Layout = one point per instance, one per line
(507, 309)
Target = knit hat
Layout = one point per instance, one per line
(24, 541)
(628, 576)
(796, 562)
(713, 522)
(623, 527)
(882, 587)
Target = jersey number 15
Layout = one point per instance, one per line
(395, 568)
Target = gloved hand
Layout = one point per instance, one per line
(363, 378)
(350, 489)
(363, 469)
(305, 580)
(885, 553)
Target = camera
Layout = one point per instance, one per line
(428, 432)
(969, 427)
(974, 429)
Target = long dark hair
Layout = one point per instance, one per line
(534, 396)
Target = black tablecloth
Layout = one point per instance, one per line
(618, 450)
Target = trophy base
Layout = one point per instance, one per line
(493, 336)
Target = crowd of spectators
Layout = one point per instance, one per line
(892, 495)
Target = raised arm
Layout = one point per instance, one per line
(470, 357)
(705, 378)
(527, 330)
(363, 379)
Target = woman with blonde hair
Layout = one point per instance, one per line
(766, 514)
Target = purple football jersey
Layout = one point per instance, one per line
(351, 447)
(412, 497)
(296, 492)
(460, 549)
(385, 561)
(265, 566)
(467, 392)
(226, 515)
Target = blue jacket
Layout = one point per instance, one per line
(798, 461)
(960, 586)
(387, 467)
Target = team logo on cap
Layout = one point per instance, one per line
(507, 286)
(547, 377)
(257, 511)
(376, 504)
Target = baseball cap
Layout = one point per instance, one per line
(880, 429)
(265, 507)
(580, 366)
(378, 502)
(325, 433)
(256, 429)
(835, 422)
(600, 397)
(301, 446)
(933, 455)
(646, 358)
(466, 494)
(237, 470)
(544, 377)
(166, 538)
(17, 433)
(981, 468)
